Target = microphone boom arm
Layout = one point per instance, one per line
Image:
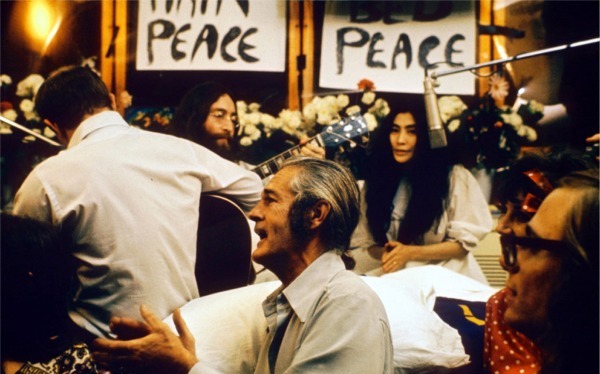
(30, 132)
(521, 56)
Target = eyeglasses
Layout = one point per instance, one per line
(221, 116)
(509, 243)
(532, 201)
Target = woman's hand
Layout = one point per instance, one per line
(395, 256)
(152, 346)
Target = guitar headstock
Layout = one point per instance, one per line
(345, 130)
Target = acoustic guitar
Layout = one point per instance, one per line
(223, 246)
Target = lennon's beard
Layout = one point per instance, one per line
(221, 146)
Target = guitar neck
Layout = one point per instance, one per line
(272, 165)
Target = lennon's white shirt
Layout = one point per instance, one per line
(129, 200)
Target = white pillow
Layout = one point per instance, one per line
(420, 337)
(445, 282)
(230, 326)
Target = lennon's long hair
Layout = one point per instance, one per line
(192, 112)
(427, 174)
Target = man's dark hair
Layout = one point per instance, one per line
(554, 164)
(69, 94)
(188, 122)
(36, 278)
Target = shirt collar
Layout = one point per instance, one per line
(96, 122)
(304, 290)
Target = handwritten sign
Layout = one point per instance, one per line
(392, 43)
(237, 35)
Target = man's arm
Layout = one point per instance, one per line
(32, 200)
(227, 178)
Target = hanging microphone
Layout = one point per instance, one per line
(437, 135)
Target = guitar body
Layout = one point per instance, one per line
(223, 246)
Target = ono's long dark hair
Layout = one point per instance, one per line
(427, 173)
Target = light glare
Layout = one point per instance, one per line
(39, 20)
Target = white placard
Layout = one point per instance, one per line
(391, 42)
(211, 35)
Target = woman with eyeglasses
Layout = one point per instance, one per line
(418, 207)
(552, 285)
(522, 189)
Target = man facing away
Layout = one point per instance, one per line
(128, 200)
(322, 319)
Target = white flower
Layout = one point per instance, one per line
(48, 132)
(267, 120)
(29, 86)
(453, 125)
(527, 132)
(5, 80)
(343, 101)
(324, 117)
(371, 121)
(286, 115)
(310, 112)
(536, 107)
(278, 123)
(354, 109)
(26, 106)
(330, 101)
(254, 107)
(498, 87)
(125, 99)
(295, 122)
(245, 121)
(512, 119)
(4, 127)
(245, 141)
(32, 116)
(380, 108)
(451, 107)
(250, 129)
(368, 97)
(241, 106)
(531, 134)
(255, 135)
(254, 118)
(10, 114)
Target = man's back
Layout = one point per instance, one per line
(129, 199)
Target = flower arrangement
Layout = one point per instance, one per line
(25, 111)
(493, 132)
(25, 92)
(147, 117)
(262, 135)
